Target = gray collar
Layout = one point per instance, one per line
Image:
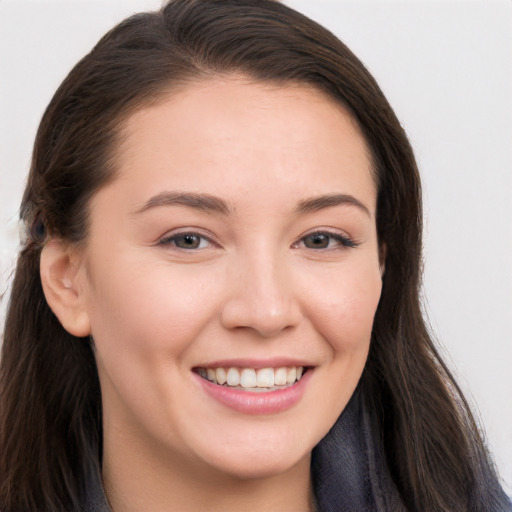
(348, 467)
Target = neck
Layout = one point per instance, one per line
(137, 478)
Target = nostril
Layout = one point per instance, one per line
(267, 320)
(264, 297)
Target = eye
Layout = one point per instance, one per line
(187, 241)
(326, 240)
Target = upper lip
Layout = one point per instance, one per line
(275, 362)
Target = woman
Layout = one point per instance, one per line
(217, 305)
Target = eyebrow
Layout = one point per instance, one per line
(203, 202)
(209, 203)
(315, 204)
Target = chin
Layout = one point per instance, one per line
(260, 469)
(257, 460)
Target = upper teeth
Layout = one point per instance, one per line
(251, 378)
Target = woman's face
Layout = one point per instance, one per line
(237, 242)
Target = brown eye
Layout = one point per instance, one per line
(187, 241)
(317, 241)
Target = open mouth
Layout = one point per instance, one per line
(251, 379)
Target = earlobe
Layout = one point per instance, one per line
(60, 276)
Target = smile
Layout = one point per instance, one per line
(250, 379)
(261, 390)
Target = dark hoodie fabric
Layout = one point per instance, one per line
(348, 470)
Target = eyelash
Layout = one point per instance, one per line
(342, 240)
(171, 240)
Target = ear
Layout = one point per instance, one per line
(62, 279)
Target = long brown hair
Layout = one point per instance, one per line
(50, 401)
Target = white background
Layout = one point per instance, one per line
(445, 66)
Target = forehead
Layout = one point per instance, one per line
(233, 136)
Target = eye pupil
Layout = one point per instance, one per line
(317, 241)
(188, 241)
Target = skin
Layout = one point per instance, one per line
(254, 289)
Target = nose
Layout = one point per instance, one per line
(262, 298)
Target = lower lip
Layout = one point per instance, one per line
(251, 402)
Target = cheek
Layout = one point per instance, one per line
(342, 311)
(343, 308)
(145, 319)
(150, 310)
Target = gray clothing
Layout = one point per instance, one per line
(348, 470)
